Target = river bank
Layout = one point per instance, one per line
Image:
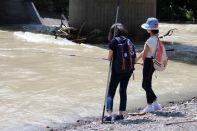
(44, 81)
(174, 116)
(177, 114)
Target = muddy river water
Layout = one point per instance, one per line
(45, 80)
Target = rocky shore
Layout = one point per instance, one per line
(174, 116)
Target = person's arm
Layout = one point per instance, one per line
(111, 49)
(143, 54)
(145, 51)
(139, 56)
(110, 55)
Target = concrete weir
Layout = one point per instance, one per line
(18, 12)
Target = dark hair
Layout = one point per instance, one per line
(155, 31)
(119, 31)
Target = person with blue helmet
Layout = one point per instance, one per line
(152, 27)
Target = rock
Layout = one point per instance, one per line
(78, 120)
(151, 121)
(111, 128)
(94, 123)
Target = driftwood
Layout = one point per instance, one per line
(80, 40)
(137, 113)
(180, 122)
(64, 30)
(80, 30)
(73, 34)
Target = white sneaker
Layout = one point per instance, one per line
(156, 106)
(148, 108)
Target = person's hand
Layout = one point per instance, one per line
(140, 63)
(104, 59)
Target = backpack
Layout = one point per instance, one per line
(160, 60)
(125, 55)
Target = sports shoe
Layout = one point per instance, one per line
(118, 117)
(148, 108)
(156, 106)
(107, 119)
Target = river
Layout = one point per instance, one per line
(46, 81)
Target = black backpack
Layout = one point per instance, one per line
(125, 55)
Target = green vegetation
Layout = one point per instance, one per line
(167, 10)
(58, 6)
(177, 10)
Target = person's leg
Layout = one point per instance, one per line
(111, 92)
(147, 80)
(148, 70)
(123, 91)
(147, 85)
(110, 96)
(123, 95)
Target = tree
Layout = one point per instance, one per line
(181, 10)
(58, 6)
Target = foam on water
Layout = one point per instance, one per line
(1, 31)
(41, 38)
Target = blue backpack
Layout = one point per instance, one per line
(125, 55)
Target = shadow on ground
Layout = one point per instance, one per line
(184, 53)
(168, 114)
(148, 120)
(136, 121)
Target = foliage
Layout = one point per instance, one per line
(167, 10)
(41, 3)
(173, 10)
(59, 6)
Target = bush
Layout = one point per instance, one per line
(176, 10)
(59, 6)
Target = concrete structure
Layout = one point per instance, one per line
(18, 12)
(100, 14)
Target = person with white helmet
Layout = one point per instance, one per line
(152, 27)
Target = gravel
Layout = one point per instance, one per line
(174, 116)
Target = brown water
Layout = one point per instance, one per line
(42, 83)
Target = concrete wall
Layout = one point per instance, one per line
(101, 14)
(18, 12)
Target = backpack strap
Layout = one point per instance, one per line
(155, 55)
(156, 47)
(120, 39)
